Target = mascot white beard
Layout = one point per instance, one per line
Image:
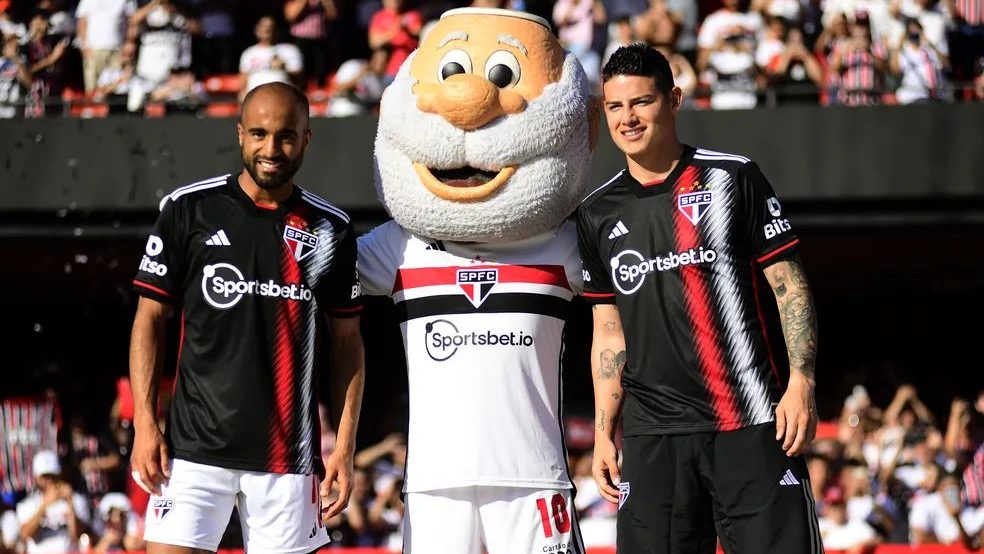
(547, 143)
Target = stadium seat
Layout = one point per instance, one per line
(222, 84)
(154, 109)
(222, 109)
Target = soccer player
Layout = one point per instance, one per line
(673, 247)
(253, 262)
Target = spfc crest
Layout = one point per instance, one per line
(477, 283)
(162, 506)
(693, 205)
(301, 243)
(623, 493)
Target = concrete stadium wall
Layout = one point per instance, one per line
(809, 153)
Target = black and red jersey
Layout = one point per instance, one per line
(681, 259)
(253, 285)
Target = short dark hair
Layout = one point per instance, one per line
(641, 60)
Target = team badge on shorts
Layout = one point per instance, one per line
(693, 205)
(623, 493)
(162, 507)
(477, 283)
(301, 243)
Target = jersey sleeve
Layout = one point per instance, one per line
(339, 295)
(161, 268)
(597, 284)
(767, 228)
(380, 254)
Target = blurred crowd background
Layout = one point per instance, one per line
(91, 58)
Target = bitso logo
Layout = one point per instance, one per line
(628, 275)
(477, 283)
(442, 339)
(693, 205)
(301, 243)
(223, 286)
(154, 247)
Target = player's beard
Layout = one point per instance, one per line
(547, 143)
(275, 180)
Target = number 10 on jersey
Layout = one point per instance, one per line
(557, 512)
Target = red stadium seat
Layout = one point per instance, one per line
(223, 84)
(155, 109)
(87, 109)
(222, 109)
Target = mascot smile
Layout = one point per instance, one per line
(482, 152)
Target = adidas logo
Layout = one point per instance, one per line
(788, 479)
(619, 230)
(219, 239)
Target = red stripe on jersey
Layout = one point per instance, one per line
(705, 332)
(756, 291)
(350, 309)
(410, 278)
(153, 288)
(777, 251)
(598, 294)
(181, 341)
(284, 369)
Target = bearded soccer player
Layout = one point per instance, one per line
(674, 246)
(254, 263)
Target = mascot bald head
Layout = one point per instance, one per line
(484, 134)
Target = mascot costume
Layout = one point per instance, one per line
(482, 153)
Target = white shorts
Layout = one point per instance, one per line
(505, 520)
(279, 512)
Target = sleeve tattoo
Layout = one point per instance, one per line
(798, 317)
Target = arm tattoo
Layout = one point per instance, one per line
(610, 326)
(610, 364)
(601, 420)
(799, 320)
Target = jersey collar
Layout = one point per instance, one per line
(667, 186)
(260, 211)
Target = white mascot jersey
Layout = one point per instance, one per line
(483, 327)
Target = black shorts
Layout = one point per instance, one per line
(680, 492)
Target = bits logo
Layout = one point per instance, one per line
(442, 339)
(774, 207)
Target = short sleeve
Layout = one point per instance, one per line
(380, 255)
(244, 60)
(597, 284)
(161, 268)
(767, 226)
(339, 294)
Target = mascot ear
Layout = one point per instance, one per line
(594, 114)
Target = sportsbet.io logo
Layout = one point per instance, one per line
(223, 286)
(442, 339)
(629, 268)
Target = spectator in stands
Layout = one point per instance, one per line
(268, 61)
(920, 67)
(47, 68)
(687, 16)
(181, 93)
(965, 427)
(828, 42)
(942, 518)
(54, 516)
(657, 26)
(165, 41)
(575, 21)
(620, 33)
(309, 20)
(839, 532)
(95, 458)
(14, 78)
(788, 10)
(118, 528)
(359, 85)
(732, 74)
(724, 23)
(113, 85)
(215, 48)
(683, 75)
(967, 38)
(861, 64)
(876, 16)
(786, 63)
(101, 30)
(396, 29)
(9, 27)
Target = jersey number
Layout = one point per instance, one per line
(558, 508)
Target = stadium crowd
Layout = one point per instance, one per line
(880, 475)
(157, 57)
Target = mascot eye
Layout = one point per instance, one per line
(453, 63)
(502, 69)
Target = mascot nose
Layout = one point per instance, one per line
(468, 101)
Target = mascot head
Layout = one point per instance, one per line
(484, 134)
